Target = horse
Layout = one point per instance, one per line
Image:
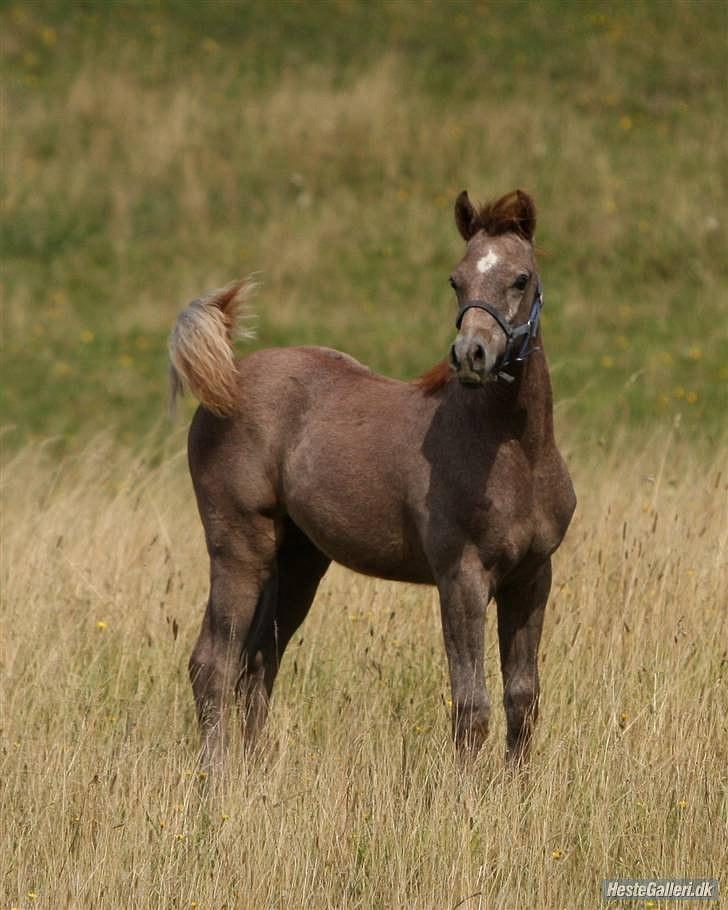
(300, 456)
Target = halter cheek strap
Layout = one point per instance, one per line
(526, 330)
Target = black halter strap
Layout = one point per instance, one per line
(527, 330)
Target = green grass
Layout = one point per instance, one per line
(155, 150)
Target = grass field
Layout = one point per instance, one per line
(154, 150)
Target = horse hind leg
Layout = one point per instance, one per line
(283, 606)
(242, 555)
(253, 687)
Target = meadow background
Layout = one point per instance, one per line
(153, 150)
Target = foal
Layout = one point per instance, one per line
(301, 455)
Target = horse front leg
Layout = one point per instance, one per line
(464, 595)
(521, 610)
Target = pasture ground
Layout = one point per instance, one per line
(153, 150)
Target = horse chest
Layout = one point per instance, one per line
(523, 515)
(554, 504)
(503, 531)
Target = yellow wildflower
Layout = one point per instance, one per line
(48, 35)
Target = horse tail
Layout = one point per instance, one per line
(201, 352)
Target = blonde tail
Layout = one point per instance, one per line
(201, 348)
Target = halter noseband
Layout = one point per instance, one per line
(527, 330)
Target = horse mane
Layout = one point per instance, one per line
(436, 378)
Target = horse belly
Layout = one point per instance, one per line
(351, 468)
(366, 530)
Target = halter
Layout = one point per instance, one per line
(527, 329)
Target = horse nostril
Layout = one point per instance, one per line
(454, 361)
(478, 354)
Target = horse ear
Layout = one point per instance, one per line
(465, 216)
(524, 214)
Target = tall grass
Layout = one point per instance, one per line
(359, 802)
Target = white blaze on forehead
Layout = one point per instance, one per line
(487, 262)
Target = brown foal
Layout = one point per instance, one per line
(301, 455)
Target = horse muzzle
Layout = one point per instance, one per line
(472, 360)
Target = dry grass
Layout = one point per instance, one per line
(360, 803)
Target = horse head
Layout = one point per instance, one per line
(497, 287)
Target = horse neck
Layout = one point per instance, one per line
(534, 397)
(522, 409)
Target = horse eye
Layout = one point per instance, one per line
(453, 283)
(521, 281)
